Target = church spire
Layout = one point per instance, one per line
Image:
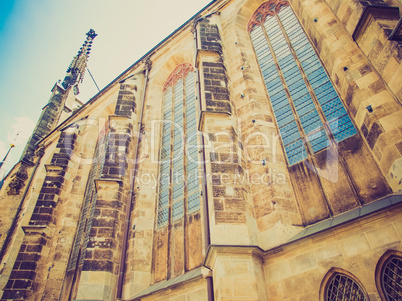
(76, 70)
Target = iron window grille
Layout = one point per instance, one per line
(344, 288)
(391, 279)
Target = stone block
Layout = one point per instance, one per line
(245, 287)
(302, 263)
(355, 245)
(382, 237)
(327, 252)
(276, 272)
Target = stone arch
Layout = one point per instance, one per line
(334, 272)
(159, 74)
(180, 72)
(164, 70)
(382, 264)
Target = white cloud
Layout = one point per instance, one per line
(3, 150)
(21, 130)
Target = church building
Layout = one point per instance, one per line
(253, 154)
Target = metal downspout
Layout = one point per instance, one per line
(131, 192)
(13, 224)
(207, 237)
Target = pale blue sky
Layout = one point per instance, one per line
(38, 39)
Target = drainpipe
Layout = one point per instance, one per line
(126, 232)
(207, 237)
(13, 224)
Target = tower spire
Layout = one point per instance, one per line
(76, 70)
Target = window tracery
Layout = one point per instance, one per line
(179, 188)
(308, 111)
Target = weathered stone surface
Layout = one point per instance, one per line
(90, 193)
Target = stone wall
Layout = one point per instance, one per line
(77, 214)
(355, 247)
(26, 278)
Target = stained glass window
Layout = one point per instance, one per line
(302, 96)
(179, 188)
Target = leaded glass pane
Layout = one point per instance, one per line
(280, 103)
(309, 119)
(303, 103)
(162, 216)
(179, 105)
(178, 210)
(318, 78)
(194, 202)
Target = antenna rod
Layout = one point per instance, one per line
(5, 157)
(93, 79)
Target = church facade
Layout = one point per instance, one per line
(254, 154)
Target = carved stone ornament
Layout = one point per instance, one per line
(18, 181)
(194, 25)
(40, 152)
(180, 72)
(148, 64)
(269, 8)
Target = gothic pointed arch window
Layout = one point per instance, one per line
(179, 187)
(307, 109)
(389, 276)
(340, 285)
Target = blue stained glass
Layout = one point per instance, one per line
(346, 133)
(303, 49)
(298, 87)
(287, 119)
(310, 125)
(316, 73)
(326, 95)
(193, 202)
(279, 98)
(178, 210)
(184, 90)
(318, 81)
(310, 68)
(305, 108)
(162, 216)
(299, 93)
(309, 61)
(274, 84)
(302, 100)
(290, 137)
(290, 68)
(296, 152)
(293, 77)
(324, 88)
(283, 112)
(289, 128)
(334, 111)
(193, 185)
(318, 140)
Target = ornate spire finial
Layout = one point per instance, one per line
(76, 70)
(147, 63)
(194, 24)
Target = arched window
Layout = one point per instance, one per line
(306, 106)
(389, 276)
(179, 188)
(340, 285)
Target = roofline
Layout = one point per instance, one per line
(150, 52)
